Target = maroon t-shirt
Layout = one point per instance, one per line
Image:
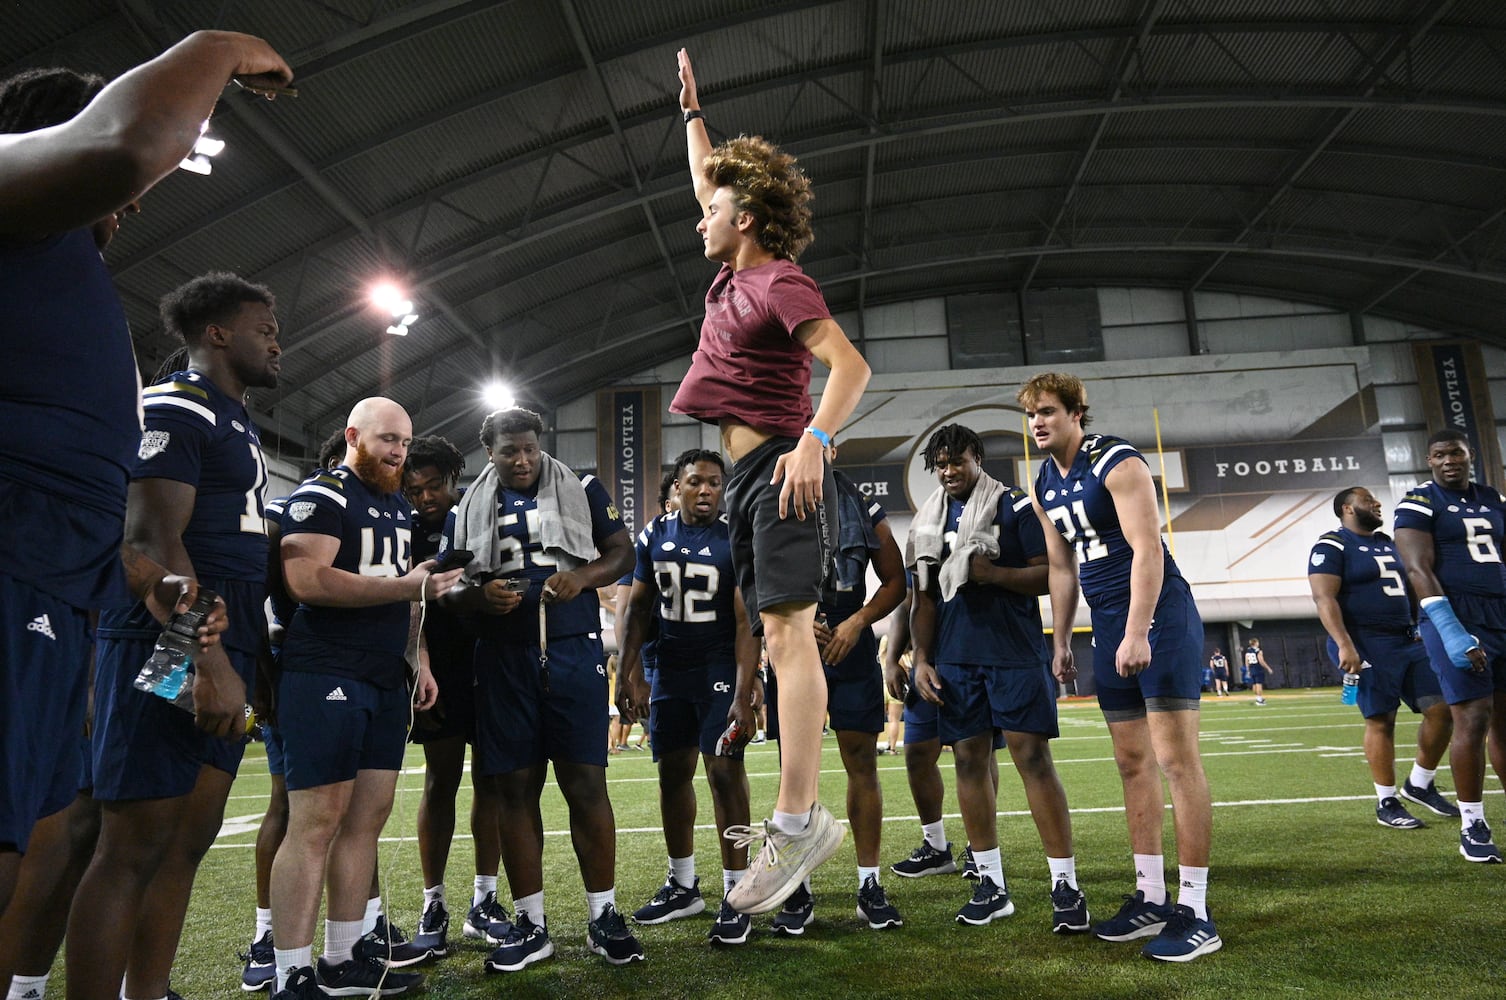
(749, 366)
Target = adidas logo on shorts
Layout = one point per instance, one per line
(41, 624)
(338, 694)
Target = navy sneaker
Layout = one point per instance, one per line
(926, 860)
(609, 937)
(1429, 797)
(990, 902)
(795, 915)
(1069, 909)
(730, 927)
(1390, 812)
(302, 985)
(1475, 844)
(524, 944)
(366, 973)
(874, 906)
(434, 930)
(394, 946)
(1184, 937)
(1135, 919)
(969, 865)
(487, 921)
(671, 902)
(261, 965)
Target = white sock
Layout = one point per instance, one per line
(1469, 812)
(290, 960)
(432, 894)
(1384, 792)
(1063, 870)
(682, 870)
(596, 902)
(263, 922)
(533, 906)
(484, 885)
(791, 823)
(373, 910)
(28, 987)
(935, 834)
(1421, 776)
(1193, 890)
(864, 874)
(990, 864)
(1150, 877)
(730, 878)
(340, 937)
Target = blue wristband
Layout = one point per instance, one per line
(1456, 641)
(819, 435)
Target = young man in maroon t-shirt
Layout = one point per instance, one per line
(751, 375)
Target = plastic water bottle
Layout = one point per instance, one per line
(166, 673)
(1352, 686)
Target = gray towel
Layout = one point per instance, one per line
(564, 519)
(974, 534)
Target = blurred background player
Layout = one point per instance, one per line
(1219, 664)
(1257, 669)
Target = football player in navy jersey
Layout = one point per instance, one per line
(544, 539)
(195, 505)
(65, 178)
(1449, 532)
(1362, 599)
(343, 702)
(979, 559)
(669, 502)
(1097, 504)
(704, 680)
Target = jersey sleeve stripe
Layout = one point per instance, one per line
(164, 388)
(1098, 466)
(323, 491)
(1415, 508)
(1021, 504)
(153, 402)
(1330, 541)
(587, 479)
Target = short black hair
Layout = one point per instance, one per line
(953, 440)
(514, 421)
(690, 456)
(210, 298)
(436, 453)
(40, 98)
(1448, 434)
(1342, 497)
(666, 484)
(332, 450)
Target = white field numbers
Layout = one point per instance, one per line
(680, 599)
(1078, 531)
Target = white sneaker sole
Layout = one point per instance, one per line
(538, 956)
(697, 906)
(1206, 948)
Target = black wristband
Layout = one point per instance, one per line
(692, 115)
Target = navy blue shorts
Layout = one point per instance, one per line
(332, 727)
(1259, 675)
(688, 707)
(271, 736)
(855, 689)
(452, 662)
(43, 659)
(921, 717)
(1176, 654)
(1459, 686)
(1399, 672)
(980, 699)
(518, 725)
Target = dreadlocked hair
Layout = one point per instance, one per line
(438, 454)
(953, 441)
(173, 363)
(767, 185)
(514, 421)
(39, 98)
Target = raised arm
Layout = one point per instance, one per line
(697, 140)
(129, 137)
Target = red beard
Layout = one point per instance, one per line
(370, 470)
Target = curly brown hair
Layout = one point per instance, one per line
(768, 185)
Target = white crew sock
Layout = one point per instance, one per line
(340, 937)
(730, 878)
(864, 874)
(1150, 877)
(1063, 870)
(290, 960)
(792, 823)
(596, 902)
(28, 987)
(1421, 776)
(682, 870)
(533, 906)
(484, 884)
(1384, 792)
(373, 910)
(935, 834)
(1469, 812)
(432, 894)
(990, 864)
(1193, 890)
(263, 922)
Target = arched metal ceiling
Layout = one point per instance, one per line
(521, 166)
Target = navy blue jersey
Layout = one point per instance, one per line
(648, 651)
(1467, 532)
(1082, 508)
(1373, 591)
(523, 556)
(196, 434)
(984, 624)
(692, 568)
(375, 540)
(856, 543)
(69, 424)
(282, 602)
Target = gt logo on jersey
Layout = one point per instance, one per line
(612, 514)
(301, 510)
(153, 443)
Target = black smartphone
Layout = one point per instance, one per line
(454, 559)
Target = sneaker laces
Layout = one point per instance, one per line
(872, 894)
(1180, 922)
(743, 835)
(610, 923)
(519, 930)
(666, 893)
(1064, 897)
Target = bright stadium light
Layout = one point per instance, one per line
(497, 396)
(392, 300)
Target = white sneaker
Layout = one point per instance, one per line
(784, 862)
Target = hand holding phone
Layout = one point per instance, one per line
(454, 559)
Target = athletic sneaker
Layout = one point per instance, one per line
(671, 902)
(969, 864)
(874, 906)
(487, 920)
(261, 965)
(730, 927)
(1390, 812)
(795, 915)
(302, 985)
(1258, 701)
(1184, 937)
(365, 974)
(1069, 909)
(1135, 919)
(434, 930)
(926, 860)
(524, 943)
(1475, 844)
(785, 860)
(609, 937)
(1429, 797)
(403, 952)
(990, 902)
